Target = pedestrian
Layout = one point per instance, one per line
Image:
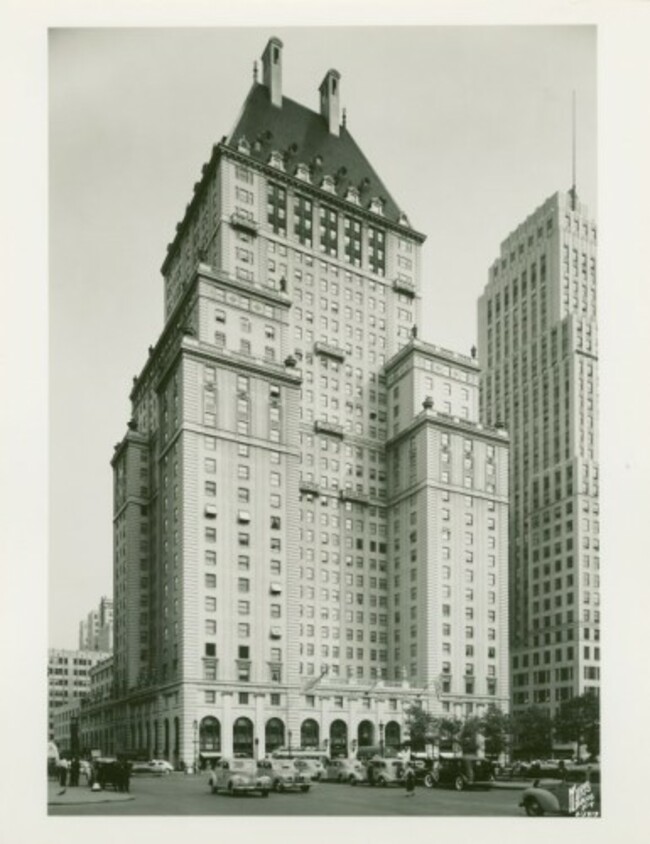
(126, 775)
(74, 772)
(63, 773)
(409, 781)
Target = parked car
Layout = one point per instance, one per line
(346, 770)
(385, 772)
(284, 775)
(313, 767)
(460, 772)
(238, 775)
(159, 767)
(423, 769)
(577, 793)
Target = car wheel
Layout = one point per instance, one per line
(459, 783)
(533, 808)
(231, 790)
(304, 788)
(382, 782)
(265, 793)
(353, 780)
(341, 778)
(280, 787)
(429, 780)
(213, 789)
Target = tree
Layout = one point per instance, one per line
(421, 724)
(497, 726)
(532, 729)
(578, 719)
(468, 733)
(450, 731)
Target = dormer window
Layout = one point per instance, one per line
(243, 146)
(376, 205)
(302, 172)
(328, 184)
(352, 195)
(276, 160)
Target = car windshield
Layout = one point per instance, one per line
(242, 765)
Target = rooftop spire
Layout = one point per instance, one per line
(573, 152)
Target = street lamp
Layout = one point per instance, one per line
(289, 741)
(195, 725)
(381, 738)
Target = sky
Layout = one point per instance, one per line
(469, 127)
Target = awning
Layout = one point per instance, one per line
(210, 754)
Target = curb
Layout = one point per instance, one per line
(89, 802)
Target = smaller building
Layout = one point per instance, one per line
(68, 677)
(65, 728)
(96, 727)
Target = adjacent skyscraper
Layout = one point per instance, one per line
(96, 630)
(276, 582)
(538, 350)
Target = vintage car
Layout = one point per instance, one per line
(312, 767)
(106, 770)
(460, 772)
(158, 767)
(346, 770)
(284, 775)
(385, 772)
(238, 775)
(576, 794)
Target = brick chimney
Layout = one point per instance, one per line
(272, 70)
(329, 100)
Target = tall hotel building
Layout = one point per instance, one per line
(538, 348)
(310, 525)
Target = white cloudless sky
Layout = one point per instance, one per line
(469, 128)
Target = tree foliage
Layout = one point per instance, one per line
(532, 730)
(578, 719)
(493, 726)
(497, 728)
(421, 724)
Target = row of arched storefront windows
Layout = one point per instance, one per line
(275, 735)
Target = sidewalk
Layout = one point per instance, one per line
(82, 794)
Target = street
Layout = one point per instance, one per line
(177, 794)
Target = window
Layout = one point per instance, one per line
(302, 219)
(352, 241)
(243, 607)
(376, 250)
(276, 199)
(328, 231)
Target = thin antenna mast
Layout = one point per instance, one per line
(573, 152)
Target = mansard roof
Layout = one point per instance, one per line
(302, 136)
